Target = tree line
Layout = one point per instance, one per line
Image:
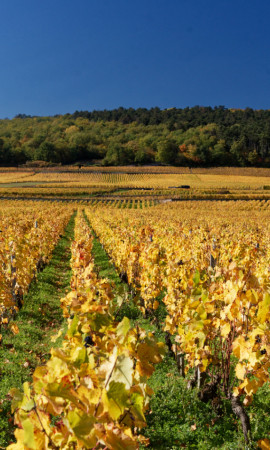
(198, 136)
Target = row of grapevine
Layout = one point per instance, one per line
(28, 236)
(117, 180)
(93, 391)
(215, 272)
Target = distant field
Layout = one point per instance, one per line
(136, 182)
(208, 178)
(238, 171)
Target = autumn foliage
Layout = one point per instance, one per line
(93, 391)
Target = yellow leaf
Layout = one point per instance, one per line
(56, 336)
(209, 307)
(14, 328)
(28, 429)
(205, 363)
(251, 387)
(236, 391)
(123, 371)
(264, 444)
(155, 304)
(123, 328)
(225, 330)
(117, 439)
(240, 371)
(241, 348)
(264, 308)
(19, 434)
(194, 304)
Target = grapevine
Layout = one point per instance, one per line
(216, 277)
(93, 391)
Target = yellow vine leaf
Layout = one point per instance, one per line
(122, 372)
(240, 371)
(264, 444)
(28, 438)
(14, 328)
(56, 336)
(19, 445)
(123, 328)
(225, 330)
(264, 308)
(118, 440)
(155, 305)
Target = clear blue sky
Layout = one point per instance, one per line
(58, 56)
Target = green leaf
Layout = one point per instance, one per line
(17, 398)
(137, 406)
(73, 326)
(79, 356)
(115, 400)
(66, 392)
(80, 422)
(196, 277)
(98, 321)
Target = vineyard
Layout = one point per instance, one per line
(28, 236)
(153, 330)
(156, 178)
(152, 183)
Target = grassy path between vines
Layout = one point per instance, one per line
(176, 417)
(39, 319)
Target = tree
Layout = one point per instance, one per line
(142, 157)
(46, 152)
(219, 155)
(167, 152)
(118, 155)
(238, 150)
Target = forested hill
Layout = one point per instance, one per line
(202, 136)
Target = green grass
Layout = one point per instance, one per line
(39, 319)
(178, 419)
(102, 261)
(106, 269)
